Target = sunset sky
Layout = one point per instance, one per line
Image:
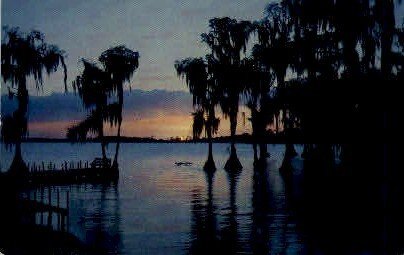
(161, 30)
(154, 113)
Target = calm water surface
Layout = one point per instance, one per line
(160, 208)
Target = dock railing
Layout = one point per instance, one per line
(47, 208)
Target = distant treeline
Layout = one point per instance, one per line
(294, 137)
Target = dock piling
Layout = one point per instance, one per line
(58, 206)
(42, 200)
(50, 211)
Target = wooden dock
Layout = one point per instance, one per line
(36, 221)
(68, 173)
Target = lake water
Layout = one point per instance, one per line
(160, 208)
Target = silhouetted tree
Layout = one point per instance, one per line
(345, 51)
(96, 86)
(227, 40)
(275, 51)
(259, 82)
(338, 65)
(205, 99)
(120, 63)
(24, 56)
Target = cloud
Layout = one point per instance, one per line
(50, 116)
(158, 113)
(60, 106)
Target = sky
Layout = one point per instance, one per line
(154, 113)
(162, 31)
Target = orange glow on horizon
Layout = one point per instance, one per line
(161, 127)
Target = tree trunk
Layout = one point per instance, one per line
(263, 151)
(290, 153)
(115, 164)
(210, 148)
(120, 101)
(254, 119)
(233, 163)
(18, 166)
(103, 144)
(233, 127)
(210, 163)
(255, 152)
(104, 154)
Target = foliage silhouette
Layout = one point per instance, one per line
(205, 98)
(259, 82)
(97, 87)
(24, 56)
(227, 40)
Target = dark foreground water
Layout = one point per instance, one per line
(160, 208)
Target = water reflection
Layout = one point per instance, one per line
(311, 209)
(204, 235)
(230, 226)
(96, 218)
(221, 228)
(261, 208)
(274, 229)
(158, 207)
(214, 229)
